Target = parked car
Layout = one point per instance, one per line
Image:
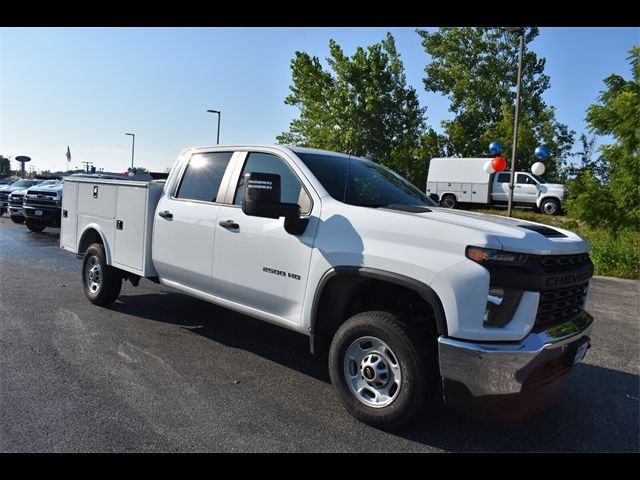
(5, 191)
(405, 297)
(463, 180)
(16, 199)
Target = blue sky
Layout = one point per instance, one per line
(86, 87)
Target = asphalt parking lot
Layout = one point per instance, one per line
(161, 371)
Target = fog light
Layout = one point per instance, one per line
(502, 303)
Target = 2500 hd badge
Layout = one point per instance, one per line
(295, 276)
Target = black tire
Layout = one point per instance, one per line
(1, 212)
(449, 201)
(415, 353)
(550, 206)
(16, 219)
(35, 225)
(109, 279)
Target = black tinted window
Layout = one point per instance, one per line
(525, 179)
(360, 182)
(202, 178)
(504, 177)
(291, 190)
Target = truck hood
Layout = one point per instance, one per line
(20, 191)
(47, 188)
(513, 234)
(10, 189)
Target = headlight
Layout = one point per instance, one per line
(495, 257)
(502, 303)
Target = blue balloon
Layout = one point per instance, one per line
(542, 152)
(495, 148)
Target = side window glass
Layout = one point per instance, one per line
(504, 177)
(525, 179)
(203, 176)
(291, 188)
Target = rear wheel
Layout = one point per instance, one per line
(383, 369)
(550, 206)
(101, 282)
(35, 225)
(449, 201)
(17, 219)
(1, 212)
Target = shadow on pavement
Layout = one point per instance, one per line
(598, 411)
(226, 327)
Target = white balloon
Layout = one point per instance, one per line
(538, 168)
(487, 167)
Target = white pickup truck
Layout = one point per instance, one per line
(463, 180)
(408, 299)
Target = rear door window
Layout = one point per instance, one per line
(203, 176)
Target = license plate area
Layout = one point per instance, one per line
(38, 213)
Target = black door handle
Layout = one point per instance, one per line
(166, 214)
(229, 224)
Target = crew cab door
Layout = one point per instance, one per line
(500, 187)
(526, 189)
(257, 263)
(185, 222)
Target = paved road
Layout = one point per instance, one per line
(161, 371)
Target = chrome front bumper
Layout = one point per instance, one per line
(492, 369)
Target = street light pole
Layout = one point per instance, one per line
(133, 146)
(219, 115)
(516, 118)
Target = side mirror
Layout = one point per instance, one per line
(435, 197)
(262, 197)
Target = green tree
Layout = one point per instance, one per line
(476, 68)
(5, 166)
(588, 160)
(362, 106)
(616, 113)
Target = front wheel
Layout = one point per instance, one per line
(550, 206)
(101, 282)
(35, 225)
(16, 219)
(383, 369)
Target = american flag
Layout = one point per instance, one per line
(68, 154)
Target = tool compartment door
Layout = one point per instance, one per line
(130, 227)
(69, 221)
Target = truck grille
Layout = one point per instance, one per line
(554, 263)
(561, 303)
(4, 198)
(41, 199)
(16, 200)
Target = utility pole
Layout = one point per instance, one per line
(86, 164)
(516, 119)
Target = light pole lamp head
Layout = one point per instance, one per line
(132, 134)
(213, 111)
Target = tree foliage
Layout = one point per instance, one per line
(362, 105)
(476, 68)
(5, 166)
(614, 201)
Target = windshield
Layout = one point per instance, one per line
(47, 182)
(539, 178)
(357, 181)
(23, 183)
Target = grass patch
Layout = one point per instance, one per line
(612, 257)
